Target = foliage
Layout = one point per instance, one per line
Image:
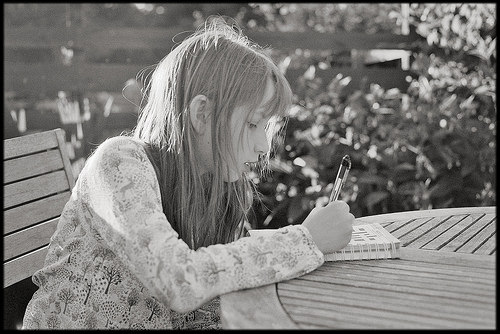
(322, 17)
(430, 147)
(456, 89)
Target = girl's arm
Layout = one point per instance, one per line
(120, 188)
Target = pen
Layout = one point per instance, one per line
(344, 168)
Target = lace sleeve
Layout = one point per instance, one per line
(124, 195)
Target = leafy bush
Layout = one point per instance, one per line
(430, 147)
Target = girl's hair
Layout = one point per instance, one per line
(219, 62)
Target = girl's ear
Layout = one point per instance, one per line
(199, 112)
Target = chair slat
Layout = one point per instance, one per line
(31, 165)
(34, 188)
(28, 239)
(24, 266)
(25, 215)
(38, 179)
(36, 142)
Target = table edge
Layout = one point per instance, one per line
(387, 217)
(437, 256)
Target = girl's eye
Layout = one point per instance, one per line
(252, 125)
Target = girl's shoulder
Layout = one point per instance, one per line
(119, 141)
(120, 145)
(120, 148)
(124, 149)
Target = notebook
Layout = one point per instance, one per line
(368, 242)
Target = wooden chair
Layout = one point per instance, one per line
(37, 184)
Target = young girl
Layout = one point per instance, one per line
(153, 231)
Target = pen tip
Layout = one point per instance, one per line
(346, 161)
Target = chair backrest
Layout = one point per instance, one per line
(37, 184)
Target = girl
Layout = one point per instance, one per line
(153, 231)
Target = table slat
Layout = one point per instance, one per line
(429, 271)
(406, 215)
(438, 288)
(488, 247)
(482, 271)
(468, 233)
(436, 230)
(465, 307)
(467, 262)
(398, 224)
(380, 303)
(421, 230)
(452, 232)
(301, 316)
(336, 316)
(321, 311)
(476, 241)
(403, 230)
(384, 224)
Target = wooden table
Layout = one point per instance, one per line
(445, 278)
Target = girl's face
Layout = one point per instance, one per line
(249, 136)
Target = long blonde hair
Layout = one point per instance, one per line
(217, 61)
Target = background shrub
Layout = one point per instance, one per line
(432, 146)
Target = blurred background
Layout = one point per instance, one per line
(408, 91)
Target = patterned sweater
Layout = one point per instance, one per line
(114, 260)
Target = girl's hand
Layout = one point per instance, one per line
(330, 226)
